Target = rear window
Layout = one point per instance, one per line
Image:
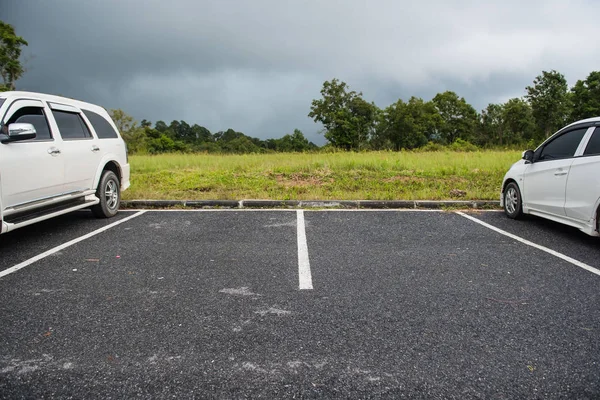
(103, 128)
(2, 102)
(593, 147)
(70, 125)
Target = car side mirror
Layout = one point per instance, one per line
(527, 156)
(18, 132)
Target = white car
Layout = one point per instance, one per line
(57, 155)
(560, 180)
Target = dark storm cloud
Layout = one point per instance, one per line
(255, 66)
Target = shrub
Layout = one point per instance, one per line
(432, 146)
(463, 146)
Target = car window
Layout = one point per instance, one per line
(563, 146)
(593, 146)
(103, 129)
(2, 102)
(70, 125)
(36, 117)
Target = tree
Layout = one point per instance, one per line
(201, 134)
(135, 136)
(10, 52)
(136, 140)
(363, 121)
(123, 121)
(407, 125)
(458, 118)
(228, 135)
(585, 96)
(240, 145)
(549, 101)
(519, 124)
(161, 126)
(152, 133)
(348, 119)
(295, 142)
(182, 131)
(492, 125)
(161, 144)
(506, 124)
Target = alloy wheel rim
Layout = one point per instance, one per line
(111, 194)
(511, 200)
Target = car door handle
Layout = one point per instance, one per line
(560, 172)
(95, 148)
(53, 151)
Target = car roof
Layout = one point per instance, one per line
(53, 98)
(585, 121)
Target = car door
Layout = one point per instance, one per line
(545, 180)
(80, 148)
(583, 184)
(31, 170)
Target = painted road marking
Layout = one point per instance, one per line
(304, 276)
(65, 245)
(537, 246)
(411, 210)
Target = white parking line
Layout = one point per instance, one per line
(304, 275)
(196, 210)
(537, 246)
(65, 245)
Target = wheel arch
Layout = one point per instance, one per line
(597, 217)
(108, 165)
(511, 180)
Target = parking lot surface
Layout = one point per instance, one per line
(208, 304)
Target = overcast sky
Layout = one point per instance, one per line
(255, 65)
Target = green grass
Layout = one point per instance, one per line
(320, 176)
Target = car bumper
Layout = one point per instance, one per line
(125, 172)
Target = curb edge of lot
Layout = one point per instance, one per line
(344, 204)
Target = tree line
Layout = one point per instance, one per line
(179, 136)
(353, 123)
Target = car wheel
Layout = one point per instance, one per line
(109, 193)
(513, 205)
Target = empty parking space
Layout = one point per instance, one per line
(161, 294)
(453, 304)
(209, 304)
(37, 238)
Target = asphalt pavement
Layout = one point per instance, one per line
(206, 304)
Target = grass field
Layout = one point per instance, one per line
(334, 176)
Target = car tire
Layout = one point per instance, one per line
(513, 204)
(109, 193)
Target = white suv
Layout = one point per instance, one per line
(560, 180)
(57, 155)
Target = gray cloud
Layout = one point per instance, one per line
(255, 66)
